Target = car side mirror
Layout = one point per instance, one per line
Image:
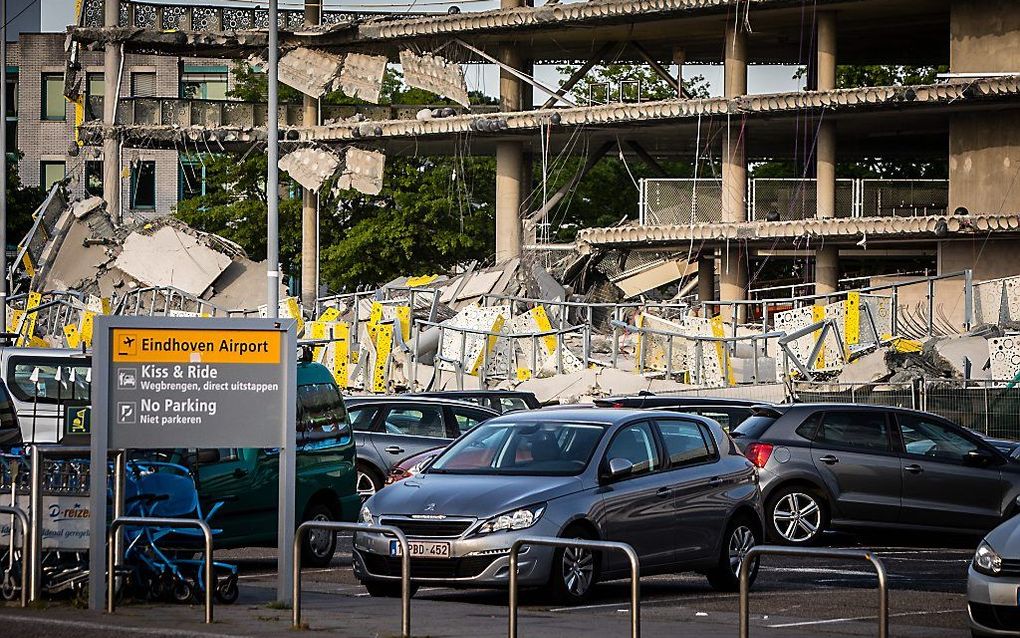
(618, 468)
(979, 457)
(207, 456)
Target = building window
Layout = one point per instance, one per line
(94, 91)
(204, 82)
(143, 84)
(191, 180)
(143, 185)
(12, 92)
(53, 102)
(94, 178)
(50, 173)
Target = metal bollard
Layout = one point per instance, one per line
(810, 552)
(405, 566)
(19, 514)
(137, 521)
(551, 541)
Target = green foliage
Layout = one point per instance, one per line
(886, 75)
(21, 201)
(652, 86)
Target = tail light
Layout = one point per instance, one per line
(758, 453)
(617, 404)
(397, 474)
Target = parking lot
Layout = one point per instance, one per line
(793, 597)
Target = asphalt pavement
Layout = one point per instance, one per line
(793, 597)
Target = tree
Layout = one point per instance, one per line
(21, 201)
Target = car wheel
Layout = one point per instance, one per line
(796, 516)
(574, 571)
(741, 535)
(318, 545)
(386, 589)
(368, 482)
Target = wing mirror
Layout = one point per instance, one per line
(207, 456)
(979, 458)
(618, 469)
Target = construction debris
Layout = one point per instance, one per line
(435, 74)
(362, 75)
(310, 71)
(361, 170)
(310, 167)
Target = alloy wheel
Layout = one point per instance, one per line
(366, 487)
(741, 541)
(797, 517)
(578, 570)
(319, 541)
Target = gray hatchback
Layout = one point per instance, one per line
(836, 465)
(673, 486)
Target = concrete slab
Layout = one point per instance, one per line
(955, 349)
(170, 257)
(868, 368)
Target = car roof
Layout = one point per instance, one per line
(413, 400)
(454, 393)
(688, 400)
(585, 414)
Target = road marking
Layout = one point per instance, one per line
(831, 621)
(78, 624)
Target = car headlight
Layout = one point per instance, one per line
(518, 519)
(987, 561)
(366, 516)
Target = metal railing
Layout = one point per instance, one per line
(810, 552)
(17, 514)
(138, 521)
(550, 541)
(679, 201)
(405, 566)
(185, 112)
(199, 17)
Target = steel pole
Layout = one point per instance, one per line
(3, 167)
(273, 176)
(35, 535)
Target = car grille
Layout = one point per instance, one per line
(1001, 617)
(429, 528)
(1010, 568)
(429, 567)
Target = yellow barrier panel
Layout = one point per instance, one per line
(329, 315)
(383, 345)
(317, 330)
(852, 321)
(294, 312)
(422, 280)
(28, 326)
(404, 318)
(544, 325)
(14, 319)
(29, 266)
(818, 314)
(71, 336)
(488, 346)
(341, 352)
(87, 320)
(725, 367)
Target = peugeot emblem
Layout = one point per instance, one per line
(431, 507)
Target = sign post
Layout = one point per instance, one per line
(164, 382)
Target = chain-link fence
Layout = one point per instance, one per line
(787, 199)
(904, 197)
(991, 408)
(672, 201)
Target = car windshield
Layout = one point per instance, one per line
(545, 448)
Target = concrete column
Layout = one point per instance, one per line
(706, 278)
(309, 199)
(826, 270)
(826, 257)
(734, 169)
(733, 279)
(111, 91)
(509, 156)
(509, 162)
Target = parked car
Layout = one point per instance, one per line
(412, 465)
(245, 479)
(389, 428)
(673, 486)
(993, 580)
(728, 412)
(828, 466)
(502, 401)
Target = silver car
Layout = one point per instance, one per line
(673, 486)
(993, 583)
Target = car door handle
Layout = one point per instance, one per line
(828, 459)
(663, 492)
(716, 481)
(914, 468)
(394, 449)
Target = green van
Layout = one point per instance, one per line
(245, 479)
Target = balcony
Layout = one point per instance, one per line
(689, 201)
(187, 17)
(216, 113)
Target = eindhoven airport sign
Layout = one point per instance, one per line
(164, 382)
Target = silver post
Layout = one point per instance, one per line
(35, 514)
(3, 170)
(273, 177)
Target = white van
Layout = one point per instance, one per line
(49, 390)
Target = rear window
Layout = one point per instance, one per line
(754, 426)
(512, 404)
(50, 380)
(322, 414)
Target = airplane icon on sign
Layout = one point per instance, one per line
(127, 345)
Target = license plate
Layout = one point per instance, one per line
(419, 549)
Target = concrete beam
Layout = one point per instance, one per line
(827, 269)
(733, 279)
(734, 168)
(706, 277)
(111, 91)
(509, 163)
(309, 199)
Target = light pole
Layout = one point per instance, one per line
(272, 178)
(3, 165)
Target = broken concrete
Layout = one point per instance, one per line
(435, 74)
(310, 71)
(361, 170)
(310, 167)
(361, 76)
(183, 262)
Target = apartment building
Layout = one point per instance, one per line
(41, 123)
